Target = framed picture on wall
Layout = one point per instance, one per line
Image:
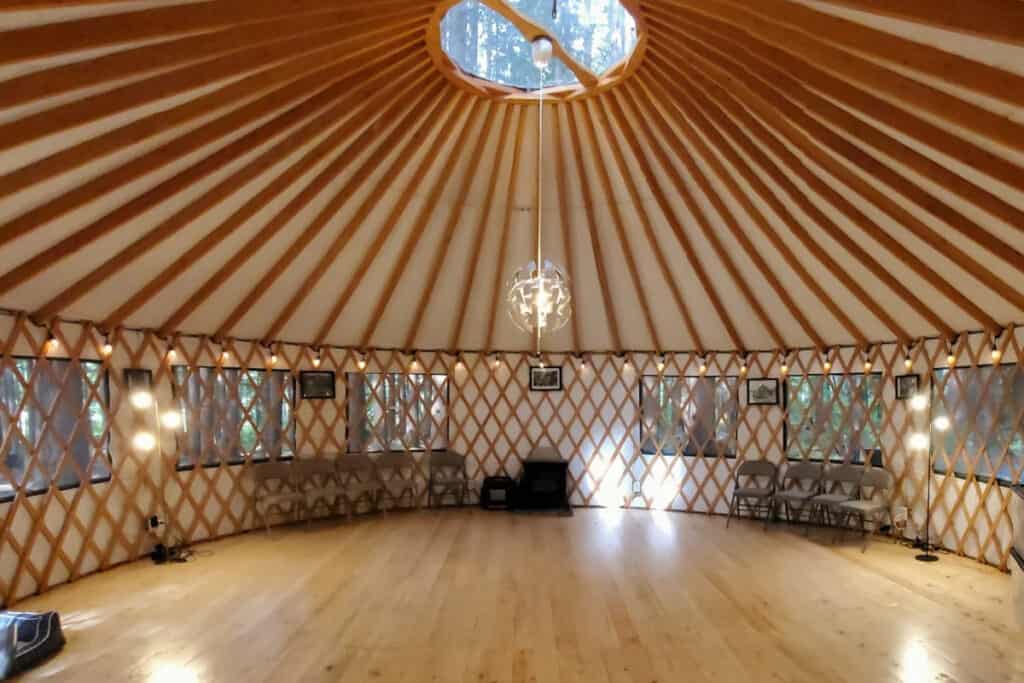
(907, 386)
(317, 384)
(545, 379)
(138, 379)
(763, 391)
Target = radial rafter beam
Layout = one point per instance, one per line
(296, 204)
(732, 222)
(339, 139)
(499, 267)
(746, 81)
(651, 113)
(1001, 20)
(165, 55)
(157, 23)
(454, 216)
(703, 123)
(620, 228)
(412, 240)
(645, 219)
(563, 220)
(481, 230)
(532, 30)
(596, 246)
(342, 98)
(792, 164)
(448, 126)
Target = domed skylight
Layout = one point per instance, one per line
(484, 38)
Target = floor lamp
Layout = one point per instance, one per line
(921, 442)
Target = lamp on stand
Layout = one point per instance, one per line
(921, 441)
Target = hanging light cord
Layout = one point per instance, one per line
(540, 200)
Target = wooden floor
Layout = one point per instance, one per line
(464, 595)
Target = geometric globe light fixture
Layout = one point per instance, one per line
(538, 298)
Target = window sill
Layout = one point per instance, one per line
(230, 463)
(981, 478)
(8, 497)
(706, 456)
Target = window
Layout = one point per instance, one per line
(48, 409)
(985, 408)
(394, 411)
(688, 415)
(230, 414)
(837, 417)
(596, 33)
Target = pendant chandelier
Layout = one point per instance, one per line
(538, 299)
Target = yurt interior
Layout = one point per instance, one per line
(512, 341)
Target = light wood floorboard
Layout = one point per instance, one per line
(605, 596)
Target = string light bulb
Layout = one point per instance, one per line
(703, 366)
(919, 441)
(171, 420)
(951, 353)
(51, 345)
(743, 367)
(171, 355)
(107, 349)
(142, 399)
(316, 358)
(583, 362)
(459, 365)
(144, 441)
(826, 363)
(361, 361)
(996, 353)
(225, 356)
(661, 363)
(496, 363)
(273, 356)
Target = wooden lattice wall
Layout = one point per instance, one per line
(61, 535)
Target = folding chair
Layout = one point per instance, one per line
(276, 484)
(319, 482)
(875, 502)
(447, 477)
(359, 482)
(755, 493)
(392, 467)
(839, 484)
(800, 482)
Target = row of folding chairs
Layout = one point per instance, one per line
(811, 492)
(345, 482)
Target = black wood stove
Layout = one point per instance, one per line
(543, 483)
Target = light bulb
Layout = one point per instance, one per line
(142, 399)
(996, 354)
(172, 355)
(827, 365)
(541, 49)
(361, 364)
(661, 366)
(907, 363)
(144, 441)
(171, 420)
(941, 423)
(743, 369)
(107, 348)
(951, 359)
(919, 402)
(273, 359)
(785, 368)
(459, 364)
(51, 345)
(703, 368)
(225, 356)
(316, 361)
(919, 441)
(867, 366)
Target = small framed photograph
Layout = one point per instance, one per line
(137, 379)
(545, 379)
(317, 384)
(907, 386)
(763, 391)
